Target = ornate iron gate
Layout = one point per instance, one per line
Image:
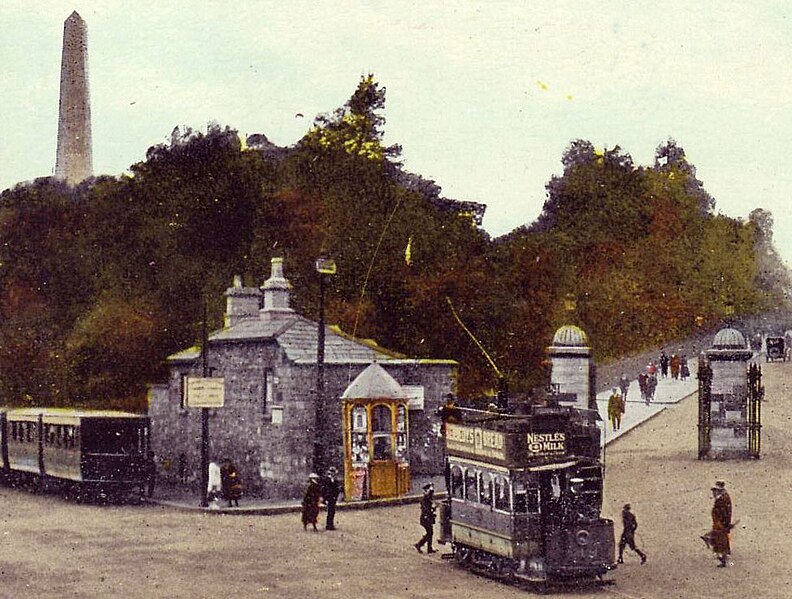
(705, 408)
(754, 410)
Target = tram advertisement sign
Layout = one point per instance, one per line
(546, 443)
(476, 441)
(204, 392)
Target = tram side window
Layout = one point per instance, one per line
(526, 499)
(501, 491)
(471, 493)
(485, 488)
(457, 486)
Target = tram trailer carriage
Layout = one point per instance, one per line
(103, 449)
(525, 495)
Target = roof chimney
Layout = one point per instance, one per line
(242, 303)
(276, 293)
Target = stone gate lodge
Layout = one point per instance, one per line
(267, 357)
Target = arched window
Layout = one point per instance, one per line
(359, 435)
(381, 432)
(401, 433)
(485, 488)
(471, 492)
(501, 492)
(457, 487)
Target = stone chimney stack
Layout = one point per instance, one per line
(242, 303)
(74, 161)
(276, 293)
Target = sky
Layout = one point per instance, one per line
(484, 97)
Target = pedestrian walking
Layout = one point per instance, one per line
(230, 483)
(630, 525)
(675, 364)
(615, 409)
(663, 364)
(310, 502)
(684, 369)
(330, 490)
(642, 378)
(624, 386)
(651, 386)
(427, 519)
(717, 539)
(651, 369)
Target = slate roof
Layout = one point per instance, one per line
(374, 383)
(298, 337)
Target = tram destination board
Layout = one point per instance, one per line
(204, 392)
(519, 445)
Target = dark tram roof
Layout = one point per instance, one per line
(539, 417)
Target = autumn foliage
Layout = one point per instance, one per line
(100, 283)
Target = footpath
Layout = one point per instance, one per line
(668, 392)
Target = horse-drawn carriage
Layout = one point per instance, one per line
(776, 349)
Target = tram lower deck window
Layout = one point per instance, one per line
(526, 499)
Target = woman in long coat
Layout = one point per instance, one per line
(310, 503)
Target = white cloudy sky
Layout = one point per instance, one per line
(483, 96)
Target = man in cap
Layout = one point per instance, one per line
(718, 537)
(627, 539)
(427, 518)
(330, 490)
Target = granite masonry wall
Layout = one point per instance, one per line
(271, 443)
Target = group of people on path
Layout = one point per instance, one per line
(676, 365)
(317, 491)
(224, 482)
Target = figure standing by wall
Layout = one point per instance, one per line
(330, 491)
(310, 502)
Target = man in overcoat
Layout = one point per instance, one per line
(721, 523)
(330, 490)
(427, 518)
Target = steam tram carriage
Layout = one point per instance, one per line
(99, 450)
(525, 494)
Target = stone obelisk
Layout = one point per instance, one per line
(74, 162)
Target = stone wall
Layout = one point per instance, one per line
(275, 455)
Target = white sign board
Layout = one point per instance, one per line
(205, 392)
(415, 393)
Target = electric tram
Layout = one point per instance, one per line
(525, 495)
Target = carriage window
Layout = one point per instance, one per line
(485, 488)
(501, 491)
(457, 488)
(471, 493)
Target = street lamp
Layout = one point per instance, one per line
(324, 266)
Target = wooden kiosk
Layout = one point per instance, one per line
(376, 442)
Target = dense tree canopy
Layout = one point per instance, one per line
(98, 284)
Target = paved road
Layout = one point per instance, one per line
(52, 548)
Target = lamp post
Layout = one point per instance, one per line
(204, 412)
(324, 266)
